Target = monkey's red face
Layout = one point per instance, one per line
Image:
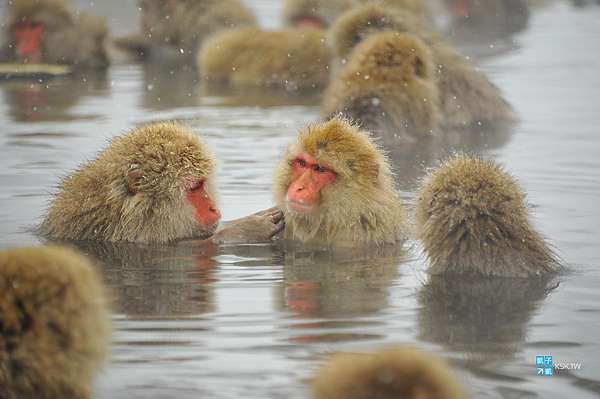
(309, 178)
(207, 213)
(28, 38)
(309, 22)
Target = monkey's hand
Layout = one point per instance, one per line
(262, 226)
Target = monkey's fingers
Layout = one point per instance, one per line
(276, 216)
(279, 226)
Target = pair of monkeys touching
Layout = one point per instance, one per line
(333, 188)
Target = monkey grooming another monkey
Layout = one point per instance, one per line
(394, 373)
(466, 96)
(49, 31)
(472, 218)
(388, 88)
(54, 324)
(335, 188)
(152, 185)
(292, 59)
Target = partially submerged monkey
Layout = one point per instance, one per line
(388, 88)
(335, 188)
(155, 184)
(466, 96)
(54, 324)
(472, 218)
(292, 59)
(399, 372)
(50, 31)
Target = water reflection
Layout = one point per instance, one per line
(52, 99)
(169, 85)
(486, 318)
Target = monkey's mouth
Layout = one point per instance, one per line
(300, 207)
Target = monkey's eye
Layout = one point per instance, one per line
(301, 162)
(319, 169)
(196, 185)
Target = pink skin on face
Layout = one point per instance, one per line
(309, 22)
(308, 179)
(28, 37)
(207, 212)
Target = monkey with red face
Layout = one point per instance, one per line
(335, 187)
(152, 185)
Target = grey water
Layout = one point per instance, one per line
(259, 320)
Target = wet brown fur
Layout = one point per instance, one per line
(72, 38)
(394, 373)
(158, 160)
(472, 218)
(361, 207)
(54, 324)
(466, 96)
(190, 22)
(388, 85)
(293, 59)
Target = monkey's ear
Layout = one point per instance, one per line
(132, 177)
(419, 67)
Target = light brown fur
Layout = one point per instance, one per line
(466, 96)
(96, 202)
(472, 218)
(361, 207)
(394, 373)
(292, 59)
(387, 87)
(190, 22)
(325, 11)
(72, 38)
(54, 324)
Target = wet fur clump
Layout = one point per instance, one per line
(135, 190)
(190, 22)
(72, 38)
(291, 59)
(389, 374)
(54, 324)
(387, 87)
(472, 218)
(466, 96)
(361, 207)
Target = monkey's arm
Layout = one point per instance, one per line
(262, 226)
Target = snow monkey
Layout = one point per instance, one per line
(54, 324)
(393, 373)
(388, 88)
(472, 218)
(335, 188)
(50, 31)
(155, 184)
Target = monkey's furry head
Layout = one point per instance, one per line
(52, 13)
(360, 206)
(358, 23)
(55, 329)
(472, 218)
(135, 190)
(389, 374)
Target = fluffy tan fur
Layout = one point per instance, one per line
(466, 96)
(361, 207)
(472, 218)
(394, 373)
(135, 190)
(55, 324)
(190, 22)
(325, 11)
(388, 87)
(293, 59)
(72, 38)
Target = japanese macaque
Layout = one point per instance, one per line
(292, 59)
(387, 88)
(335, 188)
(466, 96)
(54, 324)
(472, 218)
(398, 372)
(49, 31)
(153, 185)
(314, 13)
(183, 25)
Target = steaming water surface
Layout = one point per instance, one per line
(258, 320)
